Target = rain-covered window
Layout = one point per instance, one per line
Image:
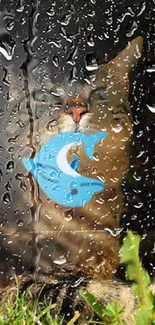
(77, 118)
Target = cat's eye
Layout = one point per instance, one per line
(43, 96)
(99, 94)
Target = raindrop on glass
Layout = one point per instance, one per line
(132, 29)
(142, 9)
(90, 40)
(91, 63)
(20, 223)
(6, 198)
(138, 205)
(10, 166)
(20, 6)
(56, 60)
(60, 261)
(51, 12)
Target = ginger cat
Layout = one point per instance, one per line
(37, 232)
(67, 248)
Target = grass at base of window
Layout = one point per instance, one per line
(21, 309)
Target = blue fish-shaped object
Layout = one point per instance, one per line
(60, 180)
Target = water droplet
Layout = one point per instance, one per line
(134, 217)
(56, 60)
(116, 29)
(55, 188)
(49, 28)
(10, 166)
(151, 69)
(73, 75)
(91, 63)
(8, 186)
(139, 134)
(100, 37)
(23, 20)
(11, 149)
(116, 125)
(109, 21)
(129, 12)
(68, 215)
(51, 12)
(20, 6)
(91, 13)
(143, 7)
(146, 160)
(10, 25)
(90, 40)
(13, 139)
(77, 282)
(6, 79)
(1, 175)
(50, 125)
(6, 198)
(20, 223)
(136, 177)
(72, 56)
(138, 205)
(96, 156)
(22, 184)
(90, 27)
(20, 124)
(60, 261)
(7, 46)
(94, 171)
(151, 108)
(65, 19)
(101, 177)
(55, 42)
(132, 29)
(100, 252)
(114, 232)
(1, 112)
(106, 35)
(140, 154)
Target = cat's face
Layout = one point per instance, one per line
(100, 104)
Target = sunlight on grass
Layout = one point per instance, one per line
(25, 309)
(22, 309)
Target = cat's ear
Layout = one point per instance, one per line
(122, 64)
(126, 60)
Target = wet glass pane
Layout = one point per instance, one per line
(77, 117)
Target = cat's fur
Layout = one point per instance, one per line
(41, 234)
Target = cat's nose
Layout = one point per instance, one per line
(77, 110)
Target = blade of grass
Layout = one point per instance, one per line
(74, 319)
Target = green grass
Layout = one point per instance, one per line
(23, 309)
